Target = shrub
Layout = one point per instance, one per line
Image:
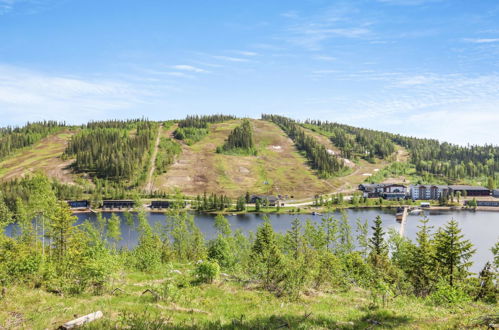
(207, 271)
(448, 295)
(219, 250)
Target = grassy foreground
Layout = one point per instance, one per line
(226, 304)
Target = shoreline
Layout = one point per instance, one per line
(309, 210)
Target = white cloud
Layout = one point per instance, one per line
(324, 58)
(28, 95)
(230, 58)
(340, 21)
(189, 68)
(482, 40)
(245, 53)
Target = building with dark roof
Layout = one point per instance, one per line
(434, 192)
(118, 204)
(160, 204)
(469, 190)
(83, 204)
(385, 190)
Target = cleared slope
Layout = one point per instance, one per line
(278, 168)
(44, 156)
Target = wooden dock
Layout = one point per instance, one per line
(403, 220)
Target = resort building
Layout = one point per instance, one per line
(433, 192)
(384, 190)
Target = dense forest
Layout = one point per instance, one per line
(50, 253)
(429, 156)
(240, 141)
(450, 160)
(193, 128)
(355, 142)
(317, 154)
(114, 150)
(12, 139)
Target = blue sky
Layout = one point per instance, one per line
(418, 67)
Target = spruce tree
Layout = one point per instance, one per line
(294, 239)
(362, 236)
(423, 261)
(452, 252)
(377, 242)
(266, 257)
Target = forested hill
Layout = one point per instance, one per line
(428, 155)
(13, 139)
(225, 155)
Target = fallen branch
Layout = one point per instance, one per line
(154, 293)
(82, 320)
(118, 289)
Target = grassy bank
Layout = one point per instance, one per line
(226, 304)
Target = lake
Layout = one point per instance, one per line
(480, 227)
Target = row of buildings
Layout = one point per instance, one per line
(117, 204)
(422, 192)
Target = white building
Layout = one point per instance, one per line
(428, 192)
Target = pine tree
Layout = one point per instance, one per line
(452, 252)
(61, 229)
(266, 257)
(487, 290)
(362, 236)
(423, 261)
(294, 239)
(377, 242)
(345, 244)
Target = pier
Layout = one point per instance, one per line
(402, 217)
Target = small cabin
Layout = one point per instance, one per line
(83, 204)
(118, 204)
(160, 204)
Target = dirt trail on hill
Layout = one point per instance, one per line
(152, 166)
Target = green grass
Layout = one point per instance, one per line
(226, 304)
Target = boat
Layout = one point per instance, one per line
(415, 211)
(316, 213)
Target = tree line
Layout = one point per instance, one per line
(240, 140)
(193, 128)
(429, 156)
(111, 150)
(355, 142)
(50, 252)
(15, 138)
(451, 160)
(320, 159)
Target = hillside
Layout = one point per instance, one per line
(44, 156)
(118, 156)
(228, 304)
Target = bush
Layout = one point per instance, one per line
(448, 295)
(207, 271)
(219, 250)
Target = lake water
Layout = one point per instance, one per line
(480, 227)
